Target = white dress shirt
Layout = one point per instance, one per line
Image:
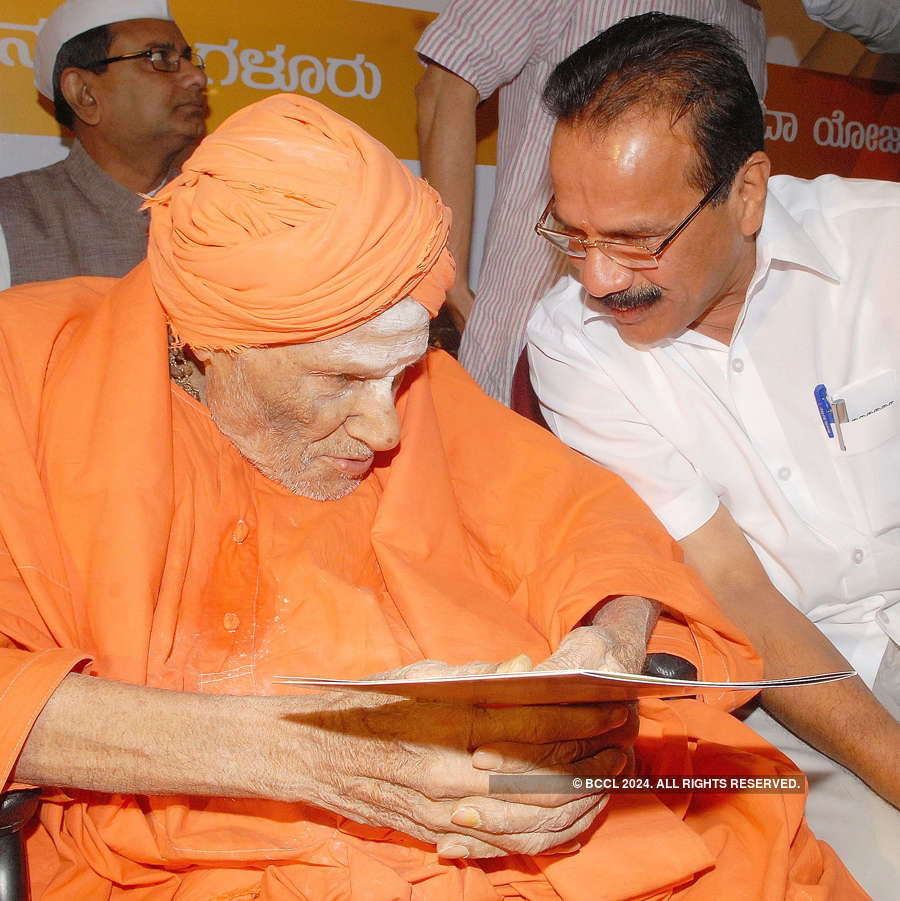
(692, 422)
(514, 45)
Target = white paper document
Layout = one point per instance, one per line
(557, 687)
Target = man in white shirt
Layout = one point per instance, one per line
(712, 304)
(477, 47)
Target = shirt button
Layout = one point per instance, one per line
(858, 555)
(231, 621)
(241, 531)
(737, 365)
(784, 473)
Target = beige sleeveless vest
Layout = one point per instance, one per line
(68, 219)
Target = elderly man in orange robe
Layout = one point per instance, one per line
(290, 484)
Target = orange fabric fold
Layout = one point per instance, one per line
(139, 536)
(290, 224)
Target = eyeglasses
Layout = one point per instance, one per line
(632, 256)
(163, 59)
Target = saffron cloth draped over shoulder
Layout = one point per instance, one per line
(242, 254)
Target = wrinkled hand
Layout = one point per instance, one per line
(616, 642)
(591, 648)
(424, 768)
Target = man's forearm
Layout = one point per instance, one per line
(842, 719)
(446, 131)
(106, 736)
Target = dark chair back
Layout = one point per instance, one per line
(17, 807)
(522, 397)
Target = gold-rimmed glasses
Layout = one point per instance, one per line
(632, 256)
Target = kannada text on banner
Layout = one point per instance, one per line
(358, 58)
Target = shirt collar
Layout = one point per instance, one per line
(782, 238)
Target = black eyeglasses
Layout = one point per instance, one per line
(163, 59)
(632, 256)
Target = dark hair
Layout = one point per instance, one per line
(659, 62)
(80, 52)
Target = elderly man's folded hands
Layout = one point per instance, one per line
(425, 768)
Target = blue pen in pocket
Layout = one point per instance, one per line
(821, 393)
(827, 411)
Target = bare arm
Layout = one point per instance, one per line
(392, 763)
(842, 719)
(107, 736)
(446, 129)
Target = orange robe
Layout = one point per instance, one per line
(138, 545)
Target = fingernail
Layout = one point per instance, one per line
(519, 664)
(487, 760)
(567, 848)
(466, 816)
(454, 851)
(618, 759)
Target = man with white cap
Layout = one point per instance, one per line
(124, 80)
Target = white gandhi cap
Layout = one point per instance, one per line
(75, 17)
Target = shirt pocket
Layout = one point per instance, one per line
(870, 466)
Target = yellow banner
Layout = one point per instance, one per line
(357, 58)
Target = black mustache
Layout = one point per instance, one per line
(632, 297)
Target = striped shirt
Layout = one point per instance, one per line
(514, 45)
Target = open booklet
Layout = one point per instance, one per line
(557, 687)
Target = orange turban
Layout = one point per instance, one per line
(290, 224)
